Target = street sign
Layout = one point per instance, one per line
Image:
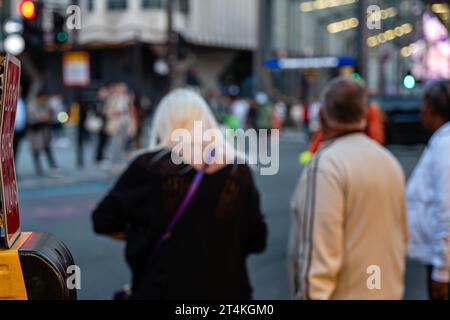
(76, 69)
(9, 95)
(309, 63)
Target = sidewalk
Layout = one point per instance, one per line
(69, 173)
(65, 156)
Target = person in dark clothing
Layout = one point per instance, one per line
(40, 116)
(103, 136)
(82, 133)
(20, 127)
(205, 258)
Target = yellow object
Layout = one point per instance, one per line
(12, 284)
(28, 10)
(74, 114)
(305, 157)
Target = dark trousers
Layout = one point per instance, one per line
(102, 141)
(429, 280)
(37, 160)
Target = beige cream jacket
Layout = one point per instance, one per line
(348, 235)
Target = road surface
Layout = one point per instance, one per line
(61, 204)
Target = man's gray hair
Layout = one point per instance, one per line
(344, 103)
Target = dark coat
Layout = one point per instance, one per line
(206, 257)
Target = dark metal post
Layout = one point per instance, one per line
(171, 44)
(77, 97)
(4, 13)
(264, 30)
(362, 33)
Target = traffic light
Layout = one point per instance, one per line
(356, 76)
(27, 9)
(31, 14)
(409, 82)
(61, 36)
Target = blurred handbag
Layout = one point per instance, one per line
(93, 123)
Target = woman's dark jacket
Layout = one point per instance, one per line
(206, 256)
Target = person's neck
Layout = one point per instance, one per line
(336, 133)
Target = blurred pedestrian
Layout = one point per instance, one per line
(136, 121)
(20, 127)
(314, 122)
(40, 117)
(56, 104)
(306, 117)
(118, 123)
(100, 106)
(216, 103)
(239, 110)
(263, 111)
(84, 106)
(349, 231)
(278, 116)
(429, 193)
(296, 115)
(220, 222)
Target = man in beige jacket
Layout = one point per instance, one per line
(349, 231)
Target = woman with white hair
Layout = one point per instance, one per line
(189, 225)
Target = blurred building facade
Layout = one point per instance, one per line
(338, 28)
(127, 41)
(304, 34)
(218, 41)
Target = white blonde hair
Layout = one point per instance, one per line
(180, 109)
(183, 109)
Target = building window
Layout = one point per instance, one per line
(117, 4)
(90, 5)
(147, 4)
(183, 6)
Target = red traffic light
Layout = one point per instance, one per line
(27, 9)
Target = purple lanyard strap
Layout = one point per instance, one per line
(181, 210)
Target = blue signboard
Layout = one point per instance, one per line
(309, 63)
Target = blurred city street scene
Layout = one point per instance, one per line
(62, 205)
(94, 72)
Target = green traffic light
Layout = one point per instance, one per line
(356, 76)
(62, 37)
(409, 82)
